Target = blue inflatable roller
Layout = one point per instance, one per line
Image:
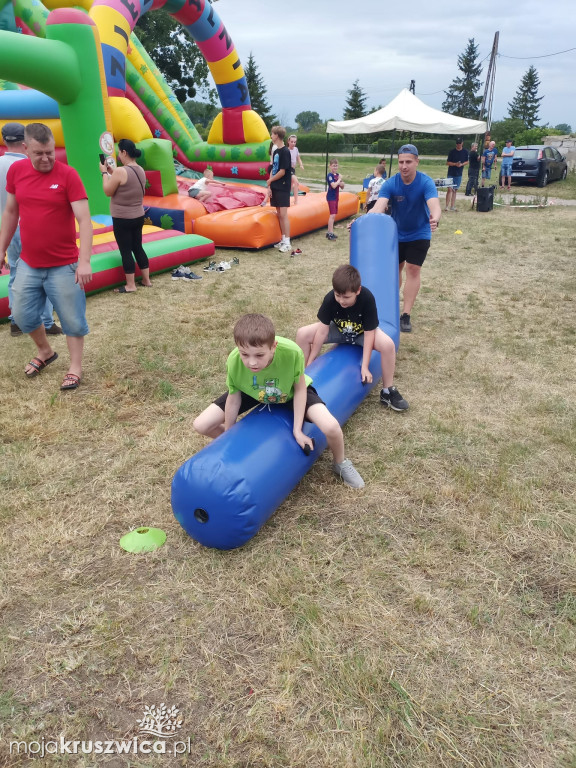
(224, 494)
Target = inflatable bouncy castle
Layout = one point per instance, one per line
(82, 71)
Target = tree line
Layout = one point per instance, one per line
(180, 61)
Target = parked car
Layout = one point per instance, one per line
(538, 163)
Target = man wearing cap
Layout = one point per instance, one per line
(473, 169)
(13, 136)
(456, 160)
(413, 199)
(48, 197)
(506, 164)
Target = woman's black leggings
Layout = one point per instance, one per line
(128, 235)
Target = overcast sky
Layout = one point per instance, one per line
(309, 52)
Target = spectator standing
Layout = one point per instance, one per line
(47, 196)
(456, 160)
(474, 162)
(13, 137)
(506, 166)
(295, 158)
(335, 184)
(126, 186)
(279, 183)
(489, 160)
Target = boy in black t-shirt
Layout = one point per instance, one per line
(348, 315)
(280, 183)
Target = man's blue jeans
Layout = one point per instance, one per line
(13, 252)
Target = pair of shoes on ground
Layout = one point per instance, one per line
(222, 266)
(296, 252)
(185, 273)
(54, 330)
(405, 324)
(331, 236)
(348, 474)
(393, 399)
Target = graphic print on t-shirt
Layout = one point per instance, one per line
(269, 392)
(349, 329)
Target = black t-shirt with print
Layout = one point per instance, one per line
(350, 321)
(281, 159)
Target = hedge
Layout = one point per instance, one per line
(340, 143)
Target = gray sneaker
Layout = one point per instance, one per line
(393, 399)
(405, 324)
(350, 476)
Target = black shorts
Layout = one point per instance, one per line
(413, 252)
(370, 205)
(279, 198)
(248, 402)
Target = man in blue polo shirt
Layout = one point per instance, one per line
(415, 208)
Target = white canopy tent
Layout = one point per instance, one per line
(407, 113)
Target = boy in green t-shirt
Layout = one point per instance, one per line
(269, 369)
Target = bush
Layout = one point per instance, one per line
(316, 142)
(425, 146)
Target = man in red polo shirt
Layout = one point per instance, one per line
(48, 197)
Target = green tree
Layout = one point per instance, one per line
(307, 120)
(526, 104)
(462, 97)
(355, 103)
(563, 128)
(200, 112)
(509, 128)
(175, 54)
(258, 93)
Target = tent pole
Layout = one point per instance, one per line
(392, 152)
(326, 168)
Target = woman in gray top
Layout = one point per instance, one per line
(125, 186)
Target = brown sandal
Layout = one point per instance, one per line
(71, 381)
(39, 365)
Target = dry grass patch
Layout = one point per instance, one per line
(425, 621)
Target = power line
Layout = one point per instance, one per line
(544, 56)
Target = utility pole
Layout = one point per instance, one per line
(488, 98)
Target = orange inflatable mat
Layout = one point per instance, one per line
(258, 227)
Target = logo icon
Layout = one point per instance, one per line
(54, 186)
(160, 721)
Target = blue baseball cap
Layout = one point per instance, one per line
(408, 149)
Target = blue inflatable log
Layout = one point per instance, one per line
(224, 494)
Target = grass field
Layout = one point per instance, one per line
(356, 169)
(427, 621)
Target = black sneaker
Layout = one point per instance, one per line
(393, 399)
(15, 330)
(405, 324)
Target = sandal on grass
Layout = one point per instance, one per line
(71, 381)
(39, 365)
(123, 289)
